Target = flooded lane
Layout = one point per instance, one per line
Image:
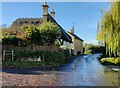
(89, 72)
(82, 71)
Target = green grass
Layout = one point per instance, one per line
(28, 63)
(108, 60)
(87, 53)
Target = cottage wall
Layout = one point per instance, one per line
(78, 46)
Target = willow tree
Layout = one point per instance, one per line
(109, 30)
(0, 34)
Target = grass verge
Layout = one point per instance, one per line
(87, 53)
(110, 61)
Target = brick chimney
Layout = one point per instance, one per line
(72, 30)
(52, 13)
(45, 11)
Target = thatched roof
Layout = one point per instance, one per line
(37, 21)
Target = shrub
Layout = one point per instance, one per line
(11, 40)
(57, 43)
(65, 50)
(49, 32)
(46, 56)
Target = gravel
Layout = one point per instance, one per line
(27, 80)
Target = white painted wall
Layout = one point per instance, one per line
(67, 44)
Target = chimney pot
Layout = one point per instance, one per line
(72, 30)
(52, 13)
(45, 11)
(45, 3)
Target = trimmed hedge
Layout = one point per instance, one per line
(46, 56)
(28, 64)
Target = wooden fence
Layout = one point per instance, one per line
(5, 53)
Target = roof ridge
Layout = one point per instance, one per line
(75, 35)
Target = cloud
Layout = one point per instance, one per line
(95, 42)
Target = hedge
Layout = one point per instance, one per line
(46, 56)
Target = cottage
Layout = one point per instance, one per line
(67, 39)
(38, 21)
(77, 45)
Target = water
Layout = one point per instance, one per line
(83, 71)
(89, 72)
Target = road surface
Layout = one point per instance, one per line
(89, 72)
(83, 71)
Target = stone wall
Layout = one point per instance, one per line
(52, 48)
(78, 46)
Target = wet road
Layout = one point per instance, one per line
(89, 72)
(83, 71)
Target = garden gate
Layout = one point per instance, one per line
(5, 53)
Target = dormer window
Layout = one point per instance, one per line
(37, 22)
(20, 22)
(32, 22)
(25, 22)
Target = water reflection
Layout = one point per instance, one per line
(89, 72)
(111, 76)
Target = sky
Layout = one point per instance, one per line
(83, 16)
